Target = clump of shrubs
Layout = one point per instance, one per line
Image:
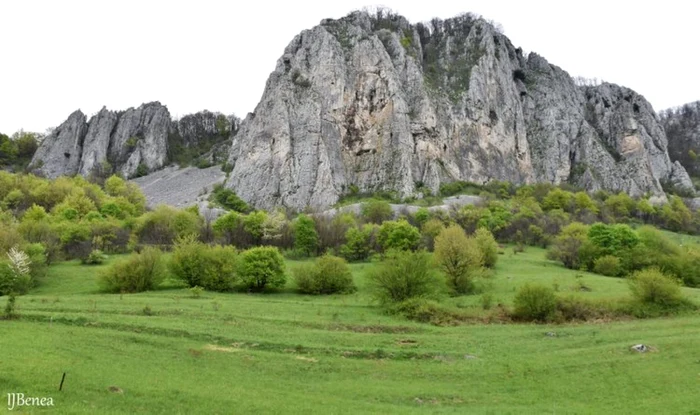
(655, 293)
(424, 310)
(143, 271)
(327, 275)
(210, 267)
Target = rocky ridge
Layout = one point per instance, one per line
(131, 143)
(375, 103)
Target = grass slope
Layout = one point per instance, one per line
(287, 353)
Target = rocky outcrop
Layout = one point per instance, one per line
(132, 142)
(682, 127)
(61, 151)
(372, 102)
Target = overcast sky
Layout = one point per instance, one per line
(59, 56)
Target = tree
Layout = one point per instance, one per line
(487, 246)
(262, 267)
(358, 246)
(567, 244)
(305, 235)
(459, 258)
(398, 235)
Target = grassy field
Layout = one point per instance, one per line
(168, 352)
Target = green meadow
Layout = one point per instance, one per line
(173, 352)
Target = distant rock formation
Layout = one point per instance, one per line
(131, 142)
(682, 127)
(372, 102)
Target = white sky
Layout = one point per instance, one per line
(58, 56)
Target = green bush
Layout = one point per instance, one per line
(534, 302)
(328, 275)
(652, 287)
(305, 235)
(376, 211)
(398, 235)
(200, 265)
(358, 245)
(459, 257)
(262, 267)
(404, 275)
(608, 265)
(488, 246)
(139, 272)
(96, 257)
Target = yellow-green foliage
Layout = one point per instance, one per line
(459, 257)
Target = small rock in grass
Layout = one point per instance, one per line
(640, 348)
(469, 356)
(550, 334)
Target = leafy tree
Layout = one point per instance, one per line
(305, 235)
(488, 247)
(262, 267)
(398, 235)
(612, 239)
(557, 199)
(459, 257)
(358, 246)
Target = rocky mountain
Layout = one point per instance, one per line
(373, 102)
(132, 142)
(682, 127)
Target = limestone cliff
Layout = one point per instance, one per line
(682, 127)
(372, 102)
(131, 142)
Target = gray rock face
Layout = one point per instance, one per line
(61, 151)
(375, 103)
(682, 127)
(134, 141)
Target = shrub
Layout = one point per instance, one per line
(429, 231)
(608, 265)
(328, 275)
(262, 267)
(305, 235)
(459, 258)
(488, 246)
(427, 311)
(165, 224)
(534, 302)
(653, 287)
(376, 211)
(358, 246)
(212, 268)
(575, 308)
(404, 275)
(567, 244)
(139, 272)
(398, 235)
(96, 257)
